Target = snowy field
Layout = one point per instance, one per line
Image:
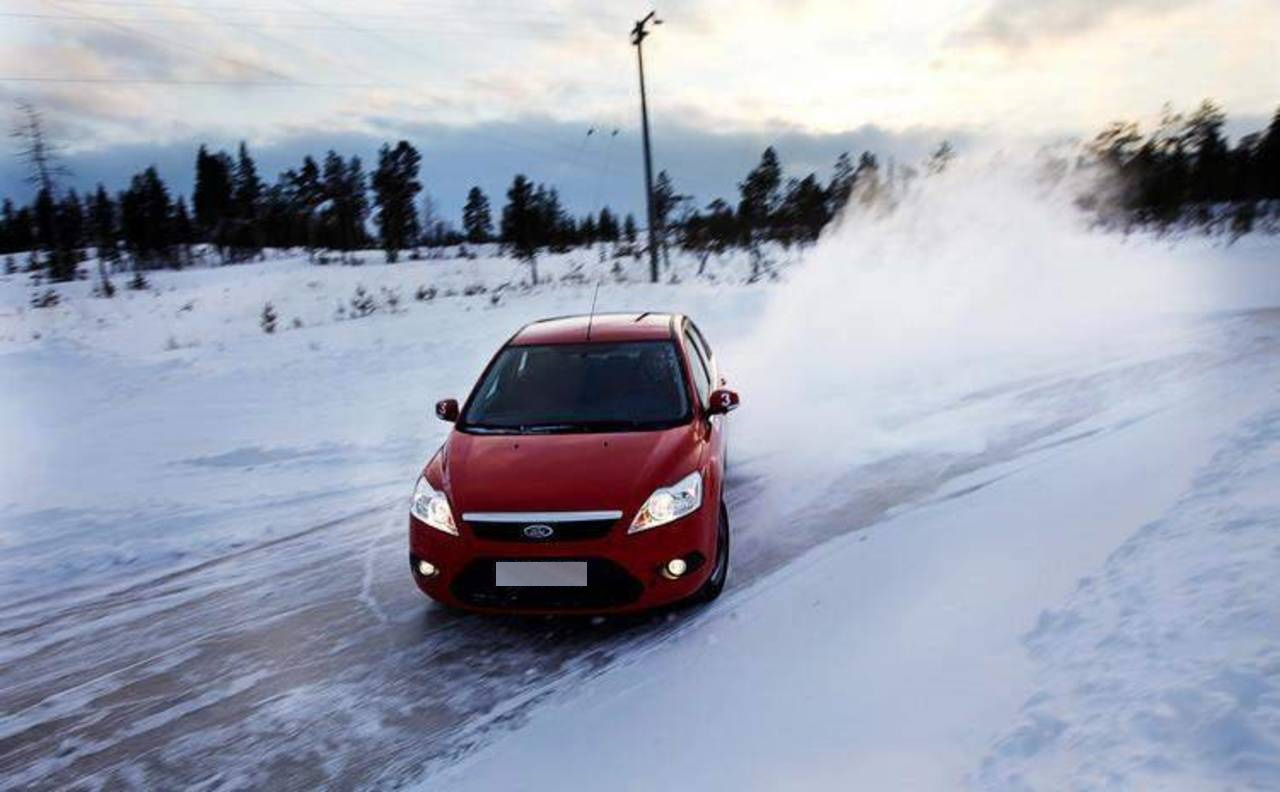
(172, 406)
(1005, 498)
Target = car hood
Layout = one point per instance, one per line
(567, 472)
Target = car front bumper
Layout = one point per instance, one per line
(625, 572)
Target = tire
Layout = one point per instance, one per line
(720, 571)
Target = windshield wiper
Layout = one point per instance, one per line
(553, 428)
(567, 427)
(480, 428)
(587, 426)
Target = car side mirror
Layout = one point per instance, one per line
(447, 410)
(722, 401)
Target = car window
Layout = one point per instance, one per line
(580, 388)
(701, 371)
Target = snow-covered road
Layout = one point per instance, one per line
(308, 659)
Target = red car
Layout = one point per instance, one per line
(585, 473)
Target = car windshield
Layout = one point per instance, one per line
(580, 388)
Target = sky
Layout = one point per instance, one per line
(491, 87)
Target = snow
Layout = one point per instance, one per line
(172, 407)
(1162, 669)
(1025, 543)
(895, 657)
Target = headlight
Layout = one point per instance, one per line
(432, 507)
(668, 504)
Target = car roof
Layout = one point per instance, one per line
(600, 328)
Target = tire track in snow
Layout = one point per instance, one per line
(319, 641)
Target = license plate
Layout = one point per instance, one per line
(541, 573)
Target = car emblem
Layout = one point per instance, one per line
(538, 531)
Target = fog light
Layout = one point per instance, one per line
(427, 569)
(675, 568)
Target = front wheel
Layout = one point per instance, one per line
(720, 572)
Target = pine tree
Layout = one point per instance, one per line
(395, 187)
(1243, 176)
(665, 199)
(246, 202)
(22, 235)
(212, 198)
(712, 232)
(1207, 148)
(607, 225)
(357, 202)
(342, 222)
(71, 224)
(520, 220)
(841, 186)
(280, 218)
(477, 221)
(8, 227)
(1117, 144)
(146, 220)
(333, 174)
(1163, 170)
(550, 226)
(588, 231)
(103, 227)
(1268, 159)
(305, 195)
(105, 237)
(804, 210)
(629, 229)
(759, 194)
(866, 179)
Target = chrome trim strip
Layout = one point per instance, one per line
(541, 517)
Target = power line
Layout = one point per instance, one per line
(183, 51)
(522, 32)
(512, 11)
(179, 82)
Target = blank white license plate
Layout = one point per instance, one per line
(541, 573)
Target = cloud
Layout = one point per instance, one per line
(1018, 23)
(90, 76)
(731, 74)
(590, 171)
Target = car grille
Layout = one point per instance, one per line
(608, 586)
(561, 531)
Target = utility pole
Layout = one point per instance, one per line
(638, 34)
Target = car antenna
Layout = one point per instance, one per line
(592, 317)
